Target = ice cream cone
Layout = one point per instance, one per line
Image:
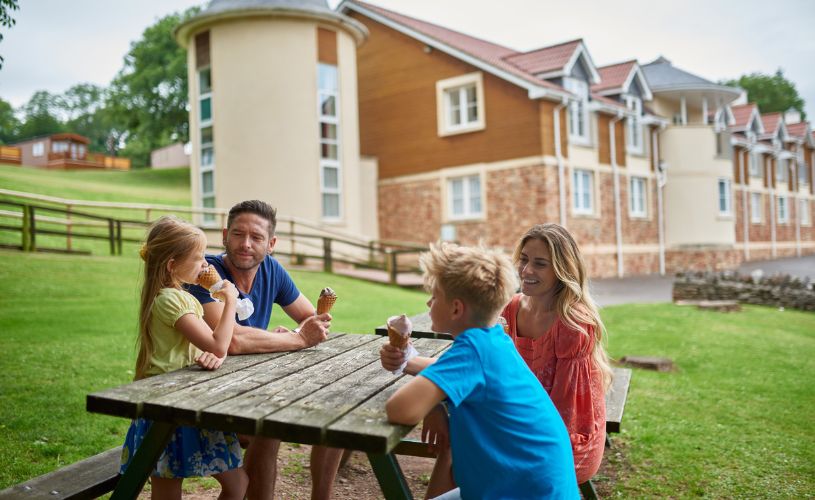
(209, 278)
(398, 340)
(326, 300)
(399, 329)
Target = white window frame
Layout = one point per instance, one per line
(467, 212)
(578, 111)
(783, 214)
(753, 166)
(583, 183)
(633, 136)
(756, 208)
(727, 210)
(459, 84)
(205, 196)
(638, 197)
(38, 149)
(782, 170)
(805, 211)
(330, 163)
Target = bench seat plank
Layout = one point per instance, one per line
(616, 397)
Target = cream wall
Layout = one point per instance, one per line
(691, 193)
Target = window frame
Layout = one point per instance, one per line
(577, 194)
(633, 212)
(805, 211)
(578, 111)
(326, 163)
(728, 197)
(756, 216)
(785, 219)
(467, 213)
(38, 149)
(460, 84)
(633, 139)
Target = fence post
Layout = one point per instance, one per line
(147, 214)
(32, 227)
(327, 264)
(392, 270)
(68, 227)
(26, 229)
(370, 252)
(119, 236)
(111, 237)
(293, 257)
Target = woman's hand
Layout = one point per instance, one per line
(391, 357)
(435, 430)
(227, 293)
(209, 361)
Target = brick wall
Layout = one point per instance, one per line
(410, 211)
(702, 259)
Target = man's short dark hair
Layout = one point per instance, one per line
(257, 207)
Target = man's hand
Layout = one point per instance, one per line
(209, 361)
(315, 329)
(435, 430)
(391, 357)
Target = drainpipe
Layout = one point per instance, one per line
(793, 181)
(660, 210)
(561, 169)
(618, 223)
(746, 223)
(772, 209)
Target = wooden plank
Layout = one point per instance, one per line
(244, 412)
(616, 397)
(125, 400)
(185, 405)
(306, 420)
(89, 478)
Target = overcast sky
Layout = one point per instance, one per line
(57, 43)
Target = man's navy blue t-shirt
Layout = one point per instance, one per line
(272, 285)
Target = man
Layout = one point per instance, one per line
(249, 240)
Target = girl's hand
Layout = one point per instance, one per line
(435, 430)
(391, 357)
(209, 361)
(228, 292)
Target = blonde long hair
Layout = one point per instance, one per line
(573, 301)
(167, 239)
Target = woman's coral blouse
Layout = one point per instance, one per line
(561, 359)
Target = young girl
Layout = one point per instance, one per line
(171, 332)
(557, 330)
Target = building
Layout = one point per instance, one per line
(66, 151)
(273, 93)
(171, 156)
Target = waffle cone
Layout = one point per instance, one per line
(325, 303)
(208, 278)
(397, 339)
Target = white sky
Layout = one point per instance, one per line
(57, 43)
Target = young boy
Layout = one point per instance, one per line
(507, 438)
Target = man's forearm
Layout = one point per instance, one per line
(248, 340)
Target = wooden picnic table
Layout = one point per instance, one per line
(332, 394)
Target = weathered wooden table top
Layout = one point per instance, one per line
(332, 394)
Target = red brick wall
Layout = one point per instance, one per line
(636, 230)
(594, 230)
(708, 259)
(410, 211)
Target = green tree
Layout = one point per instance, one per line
(9, 124)
(148, 97)
(41, 115)
(6, 6)
(83, 108)
(771, 92)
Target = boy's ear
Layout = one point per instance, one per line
(459, 309)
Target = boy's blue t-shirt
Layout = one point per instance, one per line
(507, 438)
(272, 285)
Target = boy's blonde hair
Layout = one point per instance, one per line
(168, 238)
(483, 279)
(573, 301)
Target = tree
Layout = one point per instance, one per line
(771, 92)
(83, 109)
(148, 98)
(6, 6)
(9, 124)
(41, 115)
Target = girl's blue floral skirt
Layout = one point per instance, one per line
(191, 452)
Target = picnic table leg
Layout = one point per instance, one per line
(143, 462)
(390, 477)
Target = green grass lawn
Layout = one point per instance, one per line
(734, 420)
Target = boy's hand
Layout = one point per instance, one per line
(209, 361)
(435, 430)
(391, 357)
(315, 329)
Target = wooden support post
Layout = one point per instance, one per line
(143, 462)
(26, 230)
(327, 262)
(147, 214)
(390, 477)
(119, 237)
(68, 227)
(370, 252)
(111, 237)
(32, 226)
(392, 267)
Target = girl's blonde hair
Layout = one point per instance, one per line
(573, 301)
(167, 239)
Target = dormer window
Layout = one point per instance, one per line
(460, 104)
(634, 124)
(578, 110)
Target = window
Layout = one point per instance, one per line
(725, 197)
(578, 110)
(783, 212)
(756, 208)
(583, 192)
(460, 104)
(330, 171)
(634, 125)
(637, 197)
(782, 170)
(803, 209)
(803, 172)
(38, 149)
(753, 164)
(464, 197)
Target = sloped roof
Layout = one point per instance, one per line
(545, 59)
(771, 122)
(662, 75)
(798, 129)
(614, 75)
(742, 114)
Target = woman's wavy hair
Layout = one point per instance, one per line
(167, 239)
(573, 301)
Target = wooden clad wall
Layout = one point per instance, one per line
(738, 157)
(547, 121)
(202, 49)
(397, 78)
(327, 46)
(619, 137)
(604, 141)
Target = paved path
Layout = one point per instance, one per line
(801, 267)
